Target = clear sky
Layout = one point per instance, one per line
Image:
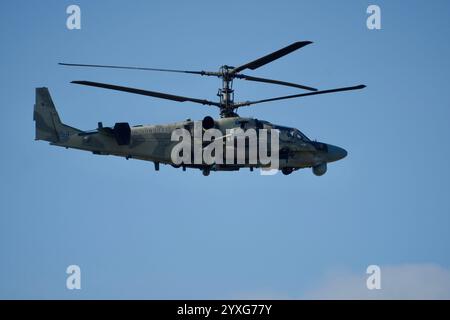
(137, 233)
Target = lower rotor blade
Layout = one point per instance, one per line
(155, 94)
(248, 103)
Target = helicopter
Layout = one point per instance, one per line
(155, 143)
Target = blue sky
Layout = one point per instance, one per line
(137, 233)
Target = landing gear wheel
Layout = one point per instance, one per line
(206, 172)
(287, 171)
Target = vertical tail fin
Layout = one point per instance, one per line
(48, 124)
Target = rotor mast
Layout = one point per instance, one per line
(226, 93)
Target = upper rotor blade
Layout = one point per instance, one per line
(203, 73)
(283, 83)
(271, 56)
(147, 93)
(242, 104)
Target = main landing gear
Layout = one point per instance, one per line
(287, 171)
(206, 172)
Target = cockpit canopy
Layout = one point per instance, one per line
(292, 133)
(295, 133)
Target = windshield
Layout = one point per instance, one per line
(301, 136)
(295, 133)
(292, 133)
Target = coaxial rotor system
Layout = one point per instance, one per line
(227, 74)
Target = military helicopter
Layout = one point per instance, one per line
(153, 142)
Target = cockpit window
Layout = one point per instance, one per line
(292, 133)
(301, 136)
(297, 134)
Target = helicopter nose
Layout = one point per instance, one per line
(335, 153)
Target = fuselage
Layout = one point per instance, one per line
(155, 143)
(225, 144)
